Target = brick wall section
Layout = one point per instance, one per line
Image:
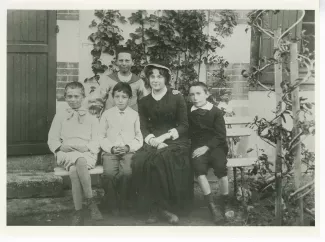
(237, 83)
(67, 14)
(66, 72)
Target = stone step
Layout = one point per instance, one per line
(53, 205)
(45, 163)
(33, 184)
(49, 205)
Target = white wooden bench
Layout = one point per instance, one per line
(59, 171)
(232, 132)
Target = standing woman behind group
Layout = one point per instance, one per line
(161, 168)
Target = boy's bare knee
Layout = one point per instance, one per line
(72, 171)
(81, 161)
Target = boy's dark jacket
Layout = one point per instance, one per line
(207, 127)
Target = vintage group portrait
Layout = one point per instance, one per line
(161, 117)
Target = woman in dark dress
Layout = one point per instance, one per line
(161, 168)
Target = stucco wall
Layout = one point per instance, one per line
(262, 105)
(74, 47)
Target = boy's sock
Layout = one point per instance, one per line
(204, 184)
(76, 188)
(224, 199)
(223, 185)
(84, 177)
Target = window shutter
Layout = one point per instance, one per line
(283, 19)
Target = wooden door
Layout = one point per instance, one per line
(31, 80)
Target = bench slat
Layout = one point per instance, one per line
(238, 120)
(238, 162)
(235, 132)
(59, 171)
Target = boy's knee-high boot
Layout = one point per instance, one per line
(95, 214)
(224, 204)
(78, 218)
(216, 215)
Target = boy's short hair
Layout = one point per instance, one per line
(200, 84)
(75, 85)
(122, 87)
(124, 50)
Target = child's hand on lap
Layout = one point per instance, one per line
(81, 148)
(120, 150)
(66, 148)
(200, 151)
(161, 145)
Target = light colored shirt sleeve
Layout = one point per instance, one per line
(105, 144)
(93, 145)
(137, 142)
(149, 136)
(54, 136)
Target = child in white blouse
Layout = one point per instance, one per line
(120, 137)
(73, 138)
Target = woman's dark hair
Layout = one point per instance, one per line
(123, 87)
(162, 71)
(75, 85)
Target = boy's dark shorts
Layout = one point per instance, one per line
(215, 158)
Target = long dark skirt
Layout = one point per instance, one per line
(163, 178)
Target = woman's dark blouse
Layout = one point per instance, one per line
(158, 117)
(207, 127)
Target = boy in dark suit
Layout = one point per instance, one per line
(209, 146)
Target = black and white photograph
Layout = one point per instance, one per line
(161, 117)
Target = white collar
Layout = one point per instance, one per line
(207, 106)
(124, 78)
(119, 111)
(159, 96)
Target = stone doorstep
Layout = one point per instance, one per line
(53, 205)
(34, 206)
(42, 184)
(43, 163)
(33, 184)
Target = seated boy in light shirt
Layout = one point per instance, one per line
(73, 138)
(120, 136)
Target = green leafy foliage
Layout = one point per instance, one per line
(175, 37)
(262, 177)
(106, 38)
